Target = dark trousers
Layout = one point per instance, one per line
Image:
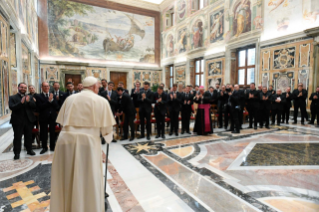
(275, 112)
(186, 115)
(174, 121)
(160, 123)
(128, 120)
(314, 115)
(19, 130)
(264, 117)
(253, 114)
(234, 117)
(223, 111)
(303, 112)
(44, 133)
(285, 114)
(241, 114)
(145, 115)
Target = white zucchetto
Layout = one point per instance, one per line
(89, 81)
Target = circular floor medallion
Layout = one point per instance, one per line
(14, 165)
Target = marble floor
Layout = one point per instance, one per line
(274, 169)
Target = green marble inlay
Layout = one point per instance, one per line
(293, 154)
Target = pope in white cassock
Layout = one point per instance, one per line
(77, 175)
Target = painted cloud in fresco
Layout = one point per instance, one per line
(90, 32)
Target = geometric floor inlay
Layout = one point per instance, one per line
(292, 154)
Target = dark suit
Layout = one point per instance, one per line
(47, 116)
(102, 89)
(287, 106)
(235, 110)
(126, 106)
(62, 97)
(126, 91)
(277, 107)
(314, 107)
(242, 103)
(299, 102)
(22, 119)
(134, 96)
(253, 107)
(67, 94)
(113, 99)
(160, 111)
(174, 109)
(186, 110)
(222, 108)
(265, 108)
(145, 110)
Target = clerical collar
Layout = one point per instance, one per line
(22, 95)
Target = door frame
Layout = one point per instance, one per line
(63, 72)
(129, 74)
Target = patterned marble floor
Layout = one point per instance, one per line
(273, 169)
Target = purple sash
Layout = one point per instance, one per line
(206, 108)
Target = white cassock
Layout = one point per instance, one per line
(77, 175)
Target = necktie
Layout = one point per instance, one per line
(109, 93)
(47, 96)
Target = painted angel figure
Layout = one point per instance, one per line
(198, 35)
(217, 28)
(242, 15)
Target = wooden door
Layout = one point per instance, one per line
(76, 79)
(117, 77)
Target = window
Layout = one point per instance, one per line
(199, 72)
(170, 17)
(198, 5)
(246, 59)
(171, 76)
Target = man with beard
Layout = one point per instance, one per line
(265, 100)
(104, 86)
(287, 106)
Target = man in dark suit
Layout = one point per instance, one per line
(121, 84)
(299, 97)
(22, 119)
(112, 97)
(242, 103)
(125, 105)
(222, 107)
(135, 93)
(60, 95)
(145, 103)
(160, 99)
(104, 86)
(314, 107)
(48, 107)
(287, 106)
(271, 92)
(253, 100)
(69, 90)
(278, 106)
(80, 88)
(175, 102)
(32, 94)
(187, 102)
(235, 109)
(265, 100)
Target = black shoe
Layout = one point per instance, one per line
(43, 151)
(250, 127)
(283, 122)
(148, 138)
(294, 122)
(235, 132)
(131, 139)
(267, 127)
(114, 141)
(287, 122)
(16, 157)
(176, 134)
(229, 130)
(170, 133)
(157, 136)
(141, 137)
(261, 126)
(123, 139)
(163, 136)
(189, 132)
(31, 152)
(182, 132)
(255, 128)
(103, 141)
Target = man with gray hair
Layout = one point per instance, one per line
(278, 101)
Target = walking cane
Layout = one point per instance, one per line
(105, 181)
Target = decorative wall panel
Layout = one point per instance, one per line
(180, 75)
(215, 71)
(5, 86)
(284, 58)
(153, 77)
(304, 55)
(265, 80)
(266, 61)
(13, 57)
(14, 81)
(97, 72)
(25, 60)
